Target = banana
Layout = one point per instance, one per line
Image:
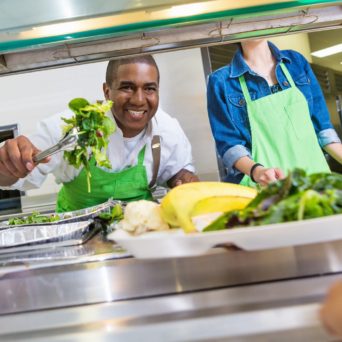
(178, 204)
(219, 204)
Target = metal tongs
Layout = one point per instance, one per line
(67, 143)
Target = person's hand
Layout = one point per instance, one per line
(331, 310)
(16, 159)
(182, 177)
(265, 176)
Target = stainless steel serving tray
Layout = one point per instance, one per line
(73, 228)
(67, 217)
(45, 236)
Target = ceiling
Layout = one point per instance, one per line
(77, 31)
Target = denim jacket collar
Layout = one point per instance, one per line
(240, 67)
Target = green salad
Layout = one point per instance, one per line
(35, 217)
(94, 129)
(116, 214)
(297, 197)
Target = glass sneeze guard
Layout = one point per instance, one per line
(38, 23)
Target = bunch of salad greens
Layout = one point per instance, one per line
(297, 197)
(35, 217)
(116, 214)
(94, 129)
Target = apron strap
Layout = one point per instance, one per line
(141, 156)
(245, 89)
(155, 146)
(287, 74)
(244, 84)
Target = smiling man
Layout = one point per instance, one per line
(149, 147)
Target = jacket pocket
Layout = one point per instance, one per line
(303, 82)
(238, 107)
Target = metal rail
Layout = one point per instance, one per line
(96, 281)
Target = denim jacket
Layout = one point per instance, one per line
(227, 107)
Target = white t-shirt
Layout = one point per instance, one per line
(122, 152)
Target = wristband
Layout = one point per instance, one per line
(252, 170)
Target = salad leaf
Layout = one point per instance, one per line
(116, 214)
(35, 217)
(77, 104)
(94, 129)
(297, 197)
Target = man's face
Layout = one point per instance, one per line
(135, 95)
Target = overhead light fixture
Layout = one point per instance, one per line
(154, 13)
(61, 28)
(187, 10)
(332, 50)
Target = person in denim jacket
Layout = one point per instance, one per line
(268, 115)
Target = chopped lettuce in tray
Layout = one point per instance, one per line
(297, 197)
(35, 217)
(108, 212)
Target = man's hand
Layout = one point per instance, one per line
(265, 176)
(331, 311)
(16, 159)
(181, 177)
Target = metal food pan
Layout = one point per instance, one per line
(40, 234)
(67, 217)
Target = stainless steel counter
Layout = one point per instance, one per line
(228, 294)
(41, 203)
(266, 312)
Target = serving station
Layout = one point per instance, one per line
(96, 290)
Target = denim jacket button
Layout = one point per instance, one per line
(285, 83)
(241, 102)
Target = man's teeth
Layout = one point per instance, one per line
(136, 113)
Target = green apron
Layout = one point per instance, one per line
(127, 185)
(282, 131)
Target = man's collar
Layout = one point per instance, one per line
(240, 67)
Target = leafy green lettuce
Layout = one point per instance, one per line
(94, 129)
(35, 217)
(297, 197)
(116, 214)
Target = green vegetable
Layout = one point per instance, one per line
(116, 214)
(297, 197)
(94, 129)
(35, 217)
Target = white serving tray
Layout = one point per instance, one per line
(175, 243)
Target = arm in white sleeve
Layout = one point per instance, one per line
(176, 153)
(48, 133)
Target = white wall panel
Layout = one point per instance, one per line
(183, 95)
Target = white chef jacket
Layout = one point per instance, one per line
(122, 152)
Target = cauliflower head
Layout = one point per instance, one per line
(142, 216)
